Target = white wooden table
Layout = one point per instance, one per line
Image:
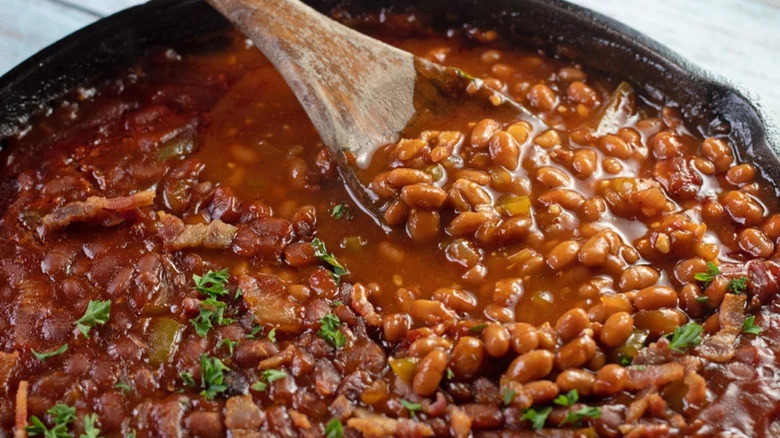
(738, 39)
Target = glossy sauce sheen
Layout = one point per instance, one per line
(553, 292)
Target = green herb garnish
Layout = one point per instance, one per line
(231, 344)
(330, 330)
(271, 376)
(703, 299)
(272, 335)
(334, 429)
(121, 384)
(709, 275)
(750, 327)
(255, 331)
(507, 395)
(259, 386)
(685, 337)
(212, 283)
(212, 311)
(575, 417)
(568, 399)
(341, 210)
(47, 354)
(478, 328)
(337, 269)
(537, 418)
(97, 313)
(90, 428)
(413, 408)
(187, 378)
(450, 373)
(737, 285)
(212, 376)
(61, 416)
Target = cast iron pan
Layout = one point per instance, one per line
(712, 106)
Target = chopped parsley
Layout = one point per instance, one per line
(709, 275)
(273, 375)
(212, 283)
(212, 311)
(61, 416)
(478, 328)
(334, 429)
(337, 269)
(737, 285)
(121, 384)
(186, 377)
(703, 299)
(507, 395)
(625, 360)
(341, 211)
(231, 344)
(685, 337)
(212, 376)
(47, 354)
(330, 330)
(269, 376)
(239, 294)
(750, 327)
(255, 331)
(97, 313)
(90, 429)
(131, 434)
(272, 335)
(568, 399)
(537, 418)
(450, 373)
(575, 417)
(413, 408)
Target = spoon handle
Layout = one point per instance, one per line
(357, 91)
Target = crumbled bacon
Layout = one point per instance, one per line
(641, 377)
(20, 424)
(176, 235)
(97, 209)
(8, 363)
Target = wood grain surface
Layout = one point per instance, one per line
(737, 39)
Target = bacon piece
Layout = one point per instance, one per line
(719, 347)
(20, 425)
(96, 208)
(732, 311)
(380, 426)
(656, 375)
(678, 177)
(764, 276)
(176, 235)
(242, 415)
(269, 300)
(7, 364)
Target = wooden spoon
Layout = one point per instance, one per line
(360, 93)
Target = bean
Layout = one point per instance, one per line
(530, 366)
(541, 391)
(571, 323)
(519, 131)
(576, 353)
(396, 213)
(524, 337)
(772, 227)
(496, 339)
(391, 252)
(584, 163)
(581, 93)
(395, 326)
(666, 144)
(563, 254)
(468, 222)
(548, 338)
(472, 193)
(594, 251)
(431, 311)
(429, 373)
(615, 146)
(421, 347)
(575, 379)
(552, 177)
(610, 380)
(638, 277)
(423, 225)
(755, 243)
(616, 329)
(504, 150)
(542, 97)
(571, 74)
(456, 299)
(742, 208)
(403, 177)
(467, 357)
(483, 131)
(741, 174)
(655, 297)
(719, 152)
(425, 196)
(685, 271)
(548, 139)
(658, 322)
(568, 199)
(406, 149)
